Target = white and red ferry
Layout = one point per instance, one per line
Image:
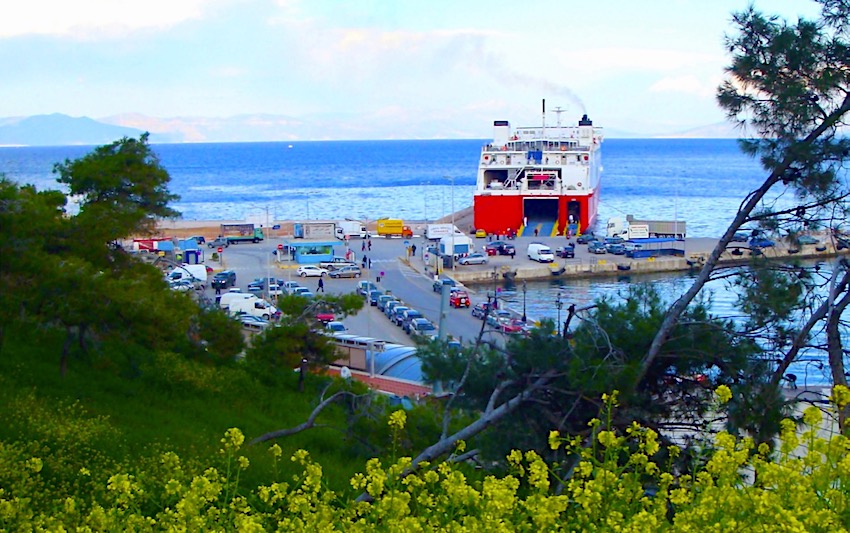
(544, 177)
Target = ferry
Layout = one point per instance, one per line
(542, 180)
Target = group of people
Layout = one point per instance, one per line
(366, 245)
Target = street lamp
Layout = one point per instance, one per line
(524, 318)
(452, 178)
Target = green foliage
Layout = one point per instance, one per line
(279, 349)
(124, 189)
(619, 481)
(223, 335)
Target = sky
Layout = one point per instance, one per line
(637, 66)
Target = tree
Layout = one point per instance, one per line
(789, 88)
(123, 190)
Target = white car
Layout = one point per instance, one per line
(312, 271)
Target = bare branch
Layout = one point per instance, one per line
(309, 423)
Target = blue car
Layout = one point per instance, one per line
(761, 242)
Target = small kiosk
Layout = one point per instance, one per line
(309, 252)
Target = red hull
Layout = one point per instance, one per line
(497, 214)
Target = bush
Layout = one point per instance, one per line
(615, 483)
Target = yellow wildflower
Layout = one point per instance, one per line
(554, 439)
(723, 393)
(398, 419)
(276, 451)
(243, 462)
(840, 396)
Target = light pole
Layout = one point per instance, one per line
(524, 318)
(452, 178)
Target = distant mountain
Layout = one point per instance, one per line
(60, 130)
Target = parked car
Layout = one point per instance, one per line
(497, 316)
(390, 309)
(741, 236)
(761, 242)
(383, 300)
(373, 297)
(345, 272)
(508, 249)
(459, 298)
(302, 291)
(253, 322)
(289, 286)
(495, 245)
(616, 249)
(614, 240)
(325, 317)
(512, 326)
(473, 259)
(422, 326)
(586, 238)
(398, 314)
(223, 279)
(311, 271)
(567, 252)
(480, 234)
(219, 242)
(596, 247)
(480, 310)
(363, 287)
(438, 285)
(807, 239)
(275, 289)
(407, 317)
(336, 326)
(182, 285)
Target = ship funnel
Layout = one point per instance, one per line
(585, 121)
(501, 132)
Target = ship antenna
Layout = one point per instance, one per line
(558, 111)
(544, 119)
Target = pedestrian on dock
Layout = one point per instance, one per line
(413, 250)
(363, 246)
(365, 261)
(321, 287)
(536, 231)
(369, 245)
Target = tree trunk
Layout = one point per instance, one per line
(836, 353)
(66, 349)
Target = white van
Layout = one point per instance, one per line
(540, 252)
(195, 273)
(228, 298)
(256, 307)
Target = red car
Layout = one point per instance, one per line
(324, 318)
(512, 326)
(459, 299)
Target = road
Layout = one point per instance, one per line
(252, 261)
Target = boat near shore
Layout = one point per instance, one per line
(543, 179)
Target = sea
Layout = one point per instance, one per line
(700, 181)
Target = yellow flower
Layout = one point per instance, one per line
(275, 450)
(554, 439)
(840, 396)
(723, 393)
(460, 446)
(398, 419)
(35, 464)
(233, 439)
(243, 462)
(812, 416)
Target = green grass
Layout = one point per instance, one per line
(123, 404)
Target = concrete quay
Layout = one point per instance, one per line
(585, 264)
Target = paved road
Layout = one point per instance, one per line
(409, 285)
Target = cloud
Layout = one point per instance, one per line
(686, 84)
(87, 19)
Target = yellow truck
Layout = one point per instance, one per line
(390, 227)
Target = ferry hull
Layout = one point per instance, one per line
(500, 214)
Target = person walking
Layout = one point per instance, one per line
(321, 287)
(363, 246)
(413, 250)
(370, 245)
(365, 261)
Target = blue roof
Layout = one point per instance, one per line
(656, 240)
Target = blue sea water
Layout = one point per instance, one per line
(700, 181)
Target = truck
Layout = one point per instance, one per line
(351, 228)
(392, 227)
(632, 228)
(238, 233)
(314, 230)
(435, 232)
